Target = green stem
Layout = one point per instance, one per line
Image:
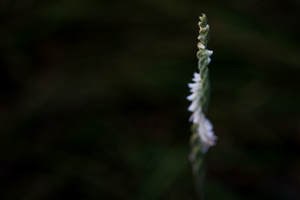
(197, 160)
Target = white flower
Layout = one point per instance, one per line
(206, 133)
(205, 128)
(196, 89)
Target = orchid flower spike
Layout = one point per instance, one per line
(200, 90)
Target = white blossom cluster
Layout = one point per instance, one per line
(204, 127)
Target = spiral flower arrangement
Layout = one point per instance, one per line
(201, 91)
(202, 130)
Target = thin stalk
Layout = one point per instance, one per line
(202, 134)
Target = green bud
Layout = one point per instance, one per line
(203, 20)
(204, 52)
(201, 38)
(202, 31)
(206, 35)
(200, 45)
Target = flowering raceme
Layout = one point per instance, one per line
(201, 91)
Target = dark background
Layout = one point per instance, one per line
(93, 99)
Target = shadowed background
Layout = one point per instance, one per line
(93, 99)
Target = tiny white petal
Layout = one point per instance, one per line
(208, 61)
(192, 117)
(192, 96)
(196, 89)
(197, 115)
(197, 78)
(196, 75)
(208, 124)
(194, 85)
(209, 52)
(193, 106)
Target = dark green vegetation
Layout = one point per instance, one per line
(93, 99)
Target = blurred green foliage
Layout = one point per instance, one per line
(93, 99)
